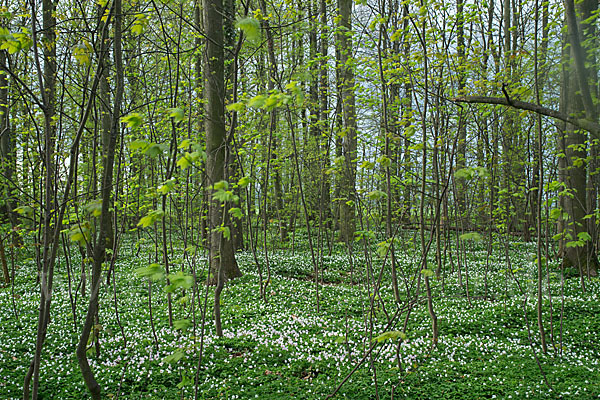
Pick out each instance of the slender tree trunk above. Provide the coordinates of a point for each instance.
(106, 227)
(349, 133)
(8, 154)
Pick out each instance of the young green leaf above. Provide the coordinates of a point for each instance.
(175, 357)
(391, 335)
(153, 272)
(182, 324)
(177, 114)
(251, 28)
(133, 120)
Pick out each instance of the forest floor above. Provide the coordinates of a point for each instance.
(286, 349)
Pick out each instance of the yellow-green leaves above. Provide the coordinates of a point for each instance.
(222, 193)
(140, 22)
(236, 212)
(251, 28)
(14, 42)
(82, 52)
(237, 107)
(148, 148)
(391, 335)
(244, 181)
(153, 272)
(94, 207)
(80, 232)
(179, 280)
(189, 158)
(427, 272)
(133, 120)
(182, 324)
(257, 101)
(472, 236)
(472, 172)
(295, 90)
(151, 218)
(384, 161)
(175, 357)
(271, 100)
(177, 114)
(376, 195)
(25, 211)
(166, 187)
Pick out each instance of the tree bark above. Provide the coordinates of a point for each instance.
(105, 231)
(222, 255)
(577, 87)
(349, 139)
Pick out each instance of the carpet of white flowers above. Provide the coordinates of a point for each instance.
(287, 349)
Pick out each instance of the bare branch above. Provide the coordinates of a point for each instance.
(582, 123)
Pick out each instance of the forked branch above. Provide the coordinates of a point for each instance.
(586, 124)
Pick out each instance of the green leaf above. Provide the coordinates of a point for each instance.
(151, 218)
(244, 181)
(236, 212)
(24, 210)
(464, 173)
(376, 195)
(367, 165)
(94, 207)
(251, 28)
(175, 357)
(384, 161)
(141, 20)
(226, 232)
(556, 213)
(137, 29)
(427, 272)
(575, 243)
(237, 107)
(182, 324)
(584, 236)
(382, 248)
(153, 272)
(474, 236)
(221, 185)
(133, 120)
(340, 340)
(138, 145)
(416, 147)
(80, 232)
(184, 161)
(257, 101)
(153, 150)
(391, 335)
(181, 280)
(166, 187)
(177, 114)
(185, 143)
(82, 51)
(295, 90)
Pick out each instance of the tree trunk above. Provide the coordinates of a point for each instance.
(105, 231)
(222, 255)
(579, 252)
(348, 134)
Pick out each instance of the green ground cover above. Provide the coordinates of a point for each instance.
(286, 349)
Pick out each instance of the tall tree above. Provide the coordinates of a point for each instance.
(579, 251)
(349, 132)
(112, 124)
(222, 256)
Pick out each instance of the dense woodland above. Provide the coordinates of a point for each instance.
(299, 199)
